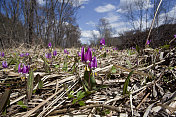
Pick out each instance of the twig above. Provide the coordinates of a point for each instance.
(113, 108)
(142, 101)
(40, 105)
(153, 21)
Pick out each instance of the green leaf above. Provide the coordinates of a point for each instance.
(65, 68)
(30, 84)
(126, 83)
(39, 81)
(129, 64)
(81, 103)
(165, 46)
(80, 95)
(70, 96)
(107, 111)
(74, 101)
(46, 65)
(4, 99)
(20, 103)
(137, 48)
(113, 70)
(40, 84)
(56, 66)
(104, 55)
(16, 66)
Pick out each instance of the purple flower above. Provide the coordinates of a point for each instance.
(106, 50)
(148, 42)
(2, 54)
(4, 64)
(93, 63)
(21, 55)
(23, 70)
(82, 54)
(78, 53)
(93, 50)
(48, 55)
(102, 41)
(89, 54)
(65, 51)
(113, 49)
(54, 53)
(49, 45)
(27, 54)
(175, 36)
(133, 48)
(100, 48)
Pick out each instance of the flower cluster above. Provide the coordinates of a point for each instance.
(66, 51)
(54, 53)
(148, 42)
(4, 64)
(87, 56)
(49, 45)
(22, 54)
(78, 53)
(102, 41)
(24, 69)
(93, 63)
(2, 54)
(48, 55)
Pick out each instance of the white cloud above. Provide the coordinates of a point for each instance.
(79, 2)
(106, 8)
(41, 2)
(125, 3)
(118, 24)
(120, 10)
(112, 18)
(91, 23)
(82, 7)
(86, 35)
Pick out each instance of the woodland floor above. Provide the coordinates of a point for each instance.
(151, 87)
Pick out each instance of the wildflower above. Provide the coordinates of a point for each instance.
(21, 55)
(133, 48)
(65, 51)
(48, 55)
(175, 36)
(102, 41)
(4, 64)
(49, 45)
(113, 49)
(82, 54)
(100, 48)
(54, 53)
(27, 54)
(148, 42)
(23, 70)
(78, 53)
(106, 50)
(93, 63)
(89, 54)
(2, 54)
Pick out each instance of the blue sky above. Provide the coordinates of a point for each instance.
(92, 10)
